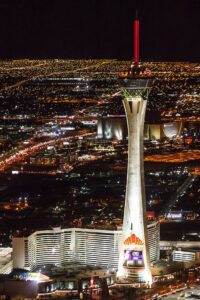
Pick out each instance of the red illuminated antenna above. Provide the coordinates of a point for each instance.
(136, 38)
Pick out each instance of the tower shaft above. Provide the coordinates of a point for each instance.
(134, 263)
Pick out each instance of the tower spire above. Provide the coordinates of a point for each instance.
(136, 38)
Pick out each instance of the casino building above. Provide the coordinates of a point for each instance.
(115, 127)
(91, 247)
(112, 128)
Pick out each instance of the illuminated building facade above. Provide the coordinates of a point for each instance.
(92, 247)
(165, 130)
(116, 128)
(112, 128)
(134, 260)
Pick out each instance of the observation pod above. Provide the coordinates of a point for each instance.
(134, 259)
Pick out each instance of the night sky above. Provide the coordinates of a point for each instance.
(170, 29)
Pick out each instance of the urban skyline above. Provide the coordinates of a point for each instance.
(99, 158)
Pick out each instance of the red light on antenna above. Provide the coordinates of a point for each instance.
(136, 41)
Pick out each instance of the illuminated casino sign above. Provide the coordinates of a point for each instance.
(133, 253)
(133, 259)
(133, 240)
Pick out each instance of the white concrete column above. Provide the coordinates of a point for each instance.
(135, 204)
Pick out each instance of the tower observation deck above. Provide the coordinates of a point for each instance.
(134, 259)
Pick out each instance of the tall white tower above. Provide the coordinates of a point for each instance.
(134, 261)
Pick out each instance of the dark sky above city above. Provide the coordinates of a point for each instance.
(170, 29)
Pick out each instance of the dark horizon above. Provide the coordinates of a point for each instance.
(99, 29)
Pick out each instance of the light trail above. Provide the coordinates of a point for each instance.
(24, 153)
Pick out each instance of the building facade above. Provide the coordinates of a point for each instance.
(112, 128)
(90, 247)
(183, 256)
(115, 127)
